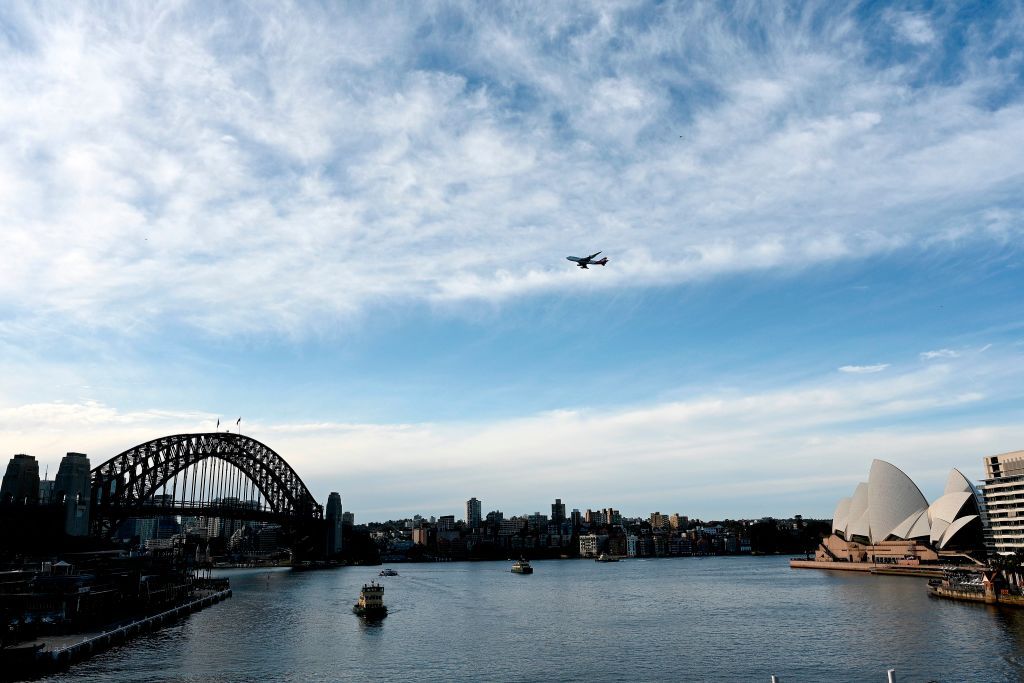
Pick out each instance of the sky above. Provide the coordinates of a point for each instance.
(347, 225)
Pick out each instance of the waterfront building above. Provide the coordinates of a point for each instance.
(473, 513)
(333, 516)
(588, 545)
(72, 489)
(21, 481)
(631, 545)
(681, 545)
(558, 511)
(1004, 501)
(889, 521)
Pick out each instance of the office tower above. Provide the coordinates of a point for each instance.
(473, 513)
(333, 516)
(558, 511)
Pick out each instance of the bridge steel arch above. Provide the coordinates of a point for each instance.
(127, 481)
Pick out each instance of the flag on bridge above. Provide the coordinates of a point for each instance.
(238, 422)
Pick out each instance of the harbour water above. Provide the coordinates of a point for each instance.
(690, 619)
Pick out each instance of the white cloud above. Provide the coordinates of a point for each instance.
(275, 171)
(914, 28)
(939, 353)
(863, 369)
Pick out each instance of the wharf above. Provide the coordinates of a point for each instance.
(56, 652)
(984, 597)
(869, 567)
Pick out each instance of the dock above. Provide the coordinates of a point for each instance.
(57, 652)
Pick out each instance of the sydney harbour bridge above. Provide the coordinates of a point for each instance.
(201, 475)
(210, 475)
(206, 478)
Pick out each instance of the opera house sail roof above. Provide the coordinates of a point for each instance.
(890, 506)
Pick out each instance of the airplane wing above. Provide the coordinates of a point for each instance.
(592, 256)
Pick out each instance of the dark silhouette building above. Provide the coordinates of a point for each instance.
(21, 481)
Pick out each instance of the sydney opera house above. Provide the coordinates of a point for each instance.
(888, 521)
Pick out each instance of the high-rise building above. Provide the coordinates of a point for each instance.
(446, 523)
(1004, 477)
(558, 511)
(72, 488)
(21, 482)
(333, 516)
(658, 520)
(577, 518)
(473, 513)
(348, 519)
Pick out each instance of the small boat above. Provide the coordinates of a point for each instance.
(605, 558)
(388, 572)
(521, 567)
(371, 602)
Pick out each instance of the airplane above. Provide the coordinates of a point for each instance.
(584, 261)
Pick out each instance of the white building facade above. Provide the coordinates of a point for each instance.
(1004, 501)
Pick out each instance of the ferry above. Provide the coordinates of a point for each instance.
(521, 567)
(371, 602)
(388, 572)
(605, 558)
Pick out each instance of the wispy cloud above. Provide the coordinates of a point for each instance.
(239, 171)
(863, 369)
(913, 27)
(939, 353)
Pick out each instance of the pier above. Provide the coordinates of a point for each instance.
(56, 652)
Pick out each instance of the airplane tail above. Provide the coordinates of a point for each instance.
(602, 261)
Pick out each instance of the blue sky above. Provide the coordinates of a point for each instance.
(348, 225)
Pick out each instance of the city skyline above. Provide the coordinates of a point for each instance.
(357, 246)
